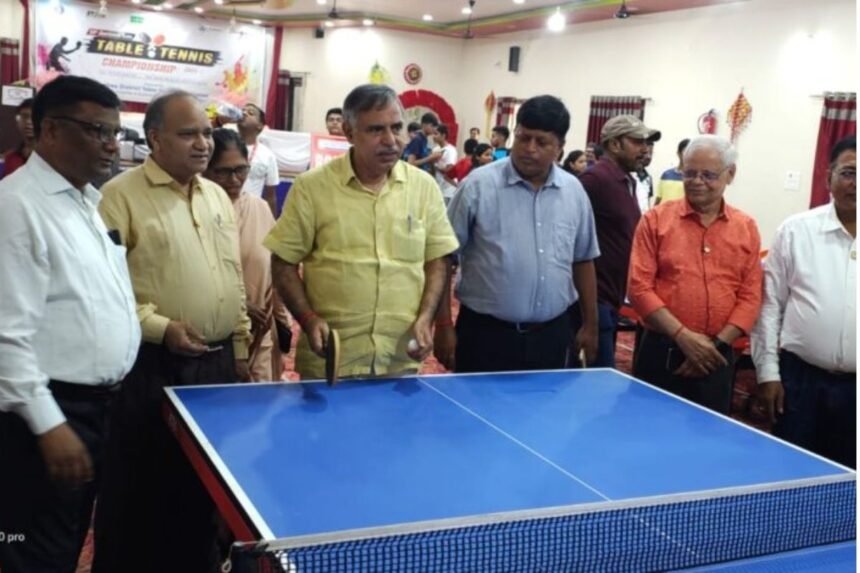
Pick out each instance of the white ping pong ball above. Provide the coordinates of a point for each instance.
(412, 346)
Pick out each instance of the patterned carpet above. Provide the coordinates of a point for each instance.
(741, 404)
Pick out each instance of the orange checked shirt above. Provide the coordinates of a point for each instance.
(705, 276)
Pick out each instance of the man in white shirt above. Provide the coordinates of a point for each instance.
(263, 178)
(644, 182)
(445, 162)
(68, 327)
(804, 344)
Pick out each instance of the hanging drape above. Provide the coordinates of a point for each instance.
(605, 107)
(838, 120)
(9, 61)
(277, 118)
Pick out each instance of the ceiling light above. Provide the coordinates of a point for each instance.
(466, 11)
(167, 5)
(198, 9)
(367, 22)
(328, 24)
(519, 1)
(556, 22)
(157, 8)
(256, 22)
(219, 2)
(321, 2)
(103, 9)
(427, 17)
(136, 1)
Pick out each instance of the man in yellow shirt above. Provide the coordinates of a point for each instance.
(371, 233)
(183, 257)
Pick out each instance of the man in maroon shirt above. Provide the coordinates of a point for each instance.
(24, 121)
(612, 191)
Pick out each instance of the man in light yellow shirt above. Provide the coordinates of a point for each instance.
(371, 233)
(183, 257)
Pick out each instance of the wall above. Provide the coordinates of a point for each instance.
(782, 52)
(11, 19)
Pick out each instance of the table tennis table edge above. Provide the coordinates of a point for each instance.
(242, 516)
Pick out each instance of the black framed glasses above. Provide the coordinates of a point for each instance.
(225, 172)
(707, 176)
(102, 132)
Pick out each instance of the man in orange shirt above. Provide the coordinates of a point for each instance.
(696, 279)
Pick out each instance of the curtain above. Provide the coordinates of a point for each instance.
(277, 108)
(9, 71)
(838, 120)
(25, 48)
(605, 107)
(506, 112)
(272, 95)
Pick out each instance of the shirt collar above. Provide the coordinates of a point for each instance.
(53, 183)
(614, 170)
(688, 211)
(158, 176)
(512, 176)
(342, 167)
(831, 221)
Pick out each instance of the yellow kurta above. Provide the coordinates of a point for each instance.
(363, 256)
(183, 254)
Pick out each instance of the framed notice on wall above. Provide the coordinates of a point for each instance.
(14, 95)
(324, 148)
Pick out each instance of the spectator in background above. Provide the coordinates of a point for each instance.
(612, 191)
(270, 323)
(593, 153)
(445, 163)
(334, 121)
(464, 165)
(522, 212)
(263, 178)
(696, 281)
(68, 328)
(575, 162)
(24, 123)
(671, 184)
(499, 140)
(643, 180)
(474, 133)
(418, 150)
(412, 131)
(805, 342)
(482, 154)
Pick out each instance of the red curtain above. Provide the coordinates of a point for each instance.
(272, 95)
(506, 107)
(277, 117)
(838, 120)
(25, 49)
(604, 107)
(9, 71)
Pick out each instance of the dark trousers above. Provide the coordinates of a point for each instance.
(44, 523)
(607, 334)
(153, 513)
(820, 410)
(658, 356)
(486, 344)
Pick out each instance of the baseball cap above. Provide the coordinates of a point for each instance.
(628, 125)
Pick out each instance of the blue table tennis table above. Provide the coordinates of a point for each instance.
(570, 470)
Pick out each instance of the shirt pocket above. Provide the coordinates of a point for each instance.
(563, 239)
(408, 240)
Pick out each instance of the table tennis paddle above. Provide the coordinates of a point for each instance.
(332, 357)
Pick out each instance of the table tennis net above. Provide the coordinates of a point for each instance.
(654, 534)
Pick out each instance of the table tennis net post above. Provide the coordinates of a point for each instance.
(655, 534)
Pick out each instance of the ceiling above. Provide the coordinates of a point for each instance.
(487, 18)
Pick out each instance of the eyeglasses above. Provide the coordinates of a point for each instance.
(239, 172)
(104, 133)
(847, 175)
(707, 176)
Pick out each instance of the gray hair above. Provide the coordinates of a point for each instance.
(727, 151)
(154, 117)
(365, 98)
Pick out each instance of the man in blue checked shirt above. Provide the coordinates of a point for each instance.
(527, 253)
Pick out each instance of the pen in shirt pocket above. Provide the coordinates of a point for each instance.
(409, 222)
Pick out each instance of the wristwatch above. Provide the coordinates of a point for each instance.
(721, 345)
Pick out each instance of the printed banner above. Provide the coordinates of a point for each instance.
(324, 148)
(140, 54)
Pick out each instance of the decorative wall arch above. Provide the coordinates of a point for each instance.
(435, 103)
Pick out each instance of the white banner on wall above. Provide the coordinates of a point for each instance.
(140, 54)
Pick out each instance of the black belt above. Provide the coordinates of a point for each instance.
(71, 391)
(519, 327)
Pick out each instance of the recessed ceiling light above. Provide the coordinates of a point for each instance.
(157, 8)
(328, 23)
(167, 5)
(198, 9)
(321, 2)
(367, 22)
(466, 10)
(256, 22)
(427, 17)
(136, 1)
(219, 2)
(519, 1)
(556, 22)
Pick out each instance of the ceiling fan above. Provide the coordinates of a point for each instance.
(333, 13)
(468, 35)
(623, 11)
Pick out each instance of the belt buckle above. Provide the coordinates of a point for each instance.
(520, 328)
